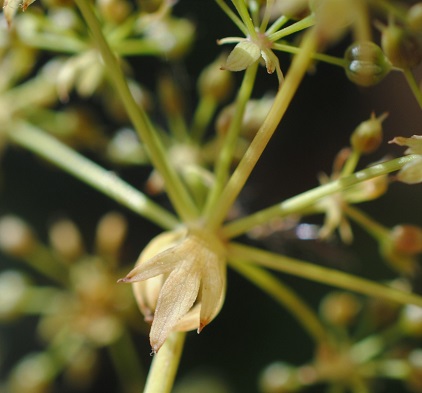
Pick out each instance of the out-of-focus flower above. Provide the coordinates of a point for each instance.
(10, 7)
(411, 173)
(193, 268)
(334, 205)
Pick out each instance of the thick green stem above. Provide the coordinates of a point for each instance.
(285, 296)
(164, 365)
(320, 274)
(281, 102)
(302, 201)
(177, 192)
(97, 177)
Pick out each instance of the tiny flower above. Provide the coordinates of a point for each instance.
(248, 51)
(334, 205)
(194, 284)
(411, 172)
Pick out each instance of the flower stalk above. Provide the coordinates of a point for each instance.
(281, 102)
(177, 192)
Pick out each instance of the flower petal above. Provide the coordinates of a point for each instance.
(177, 296)
(242, 56)
(213, 290)
(411, 173)
(414, 143)
(158, 257)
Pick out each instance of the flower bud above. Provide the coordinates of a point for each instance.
(171, 36)
(214, 82)
(340, 308)
(333, 17)
(244, 54)
(407, 239)
(66, 240)
(401, 247)
(414, 18)
(114, 11)
(16, 238)
(194, 265)
(279, 377)
(411, 320)
(170, 96)
(33, 374)
(366, 64)
(13, 292)
(367, 137)
(111, 232)
(414, 381)
(402, 47)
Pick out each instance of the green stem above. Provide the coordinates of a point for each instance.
(277, 24)
(202, 117)
(294, 28)
(302, 201)
(341, 62)
(225, 158)
(281, 102)
(97, 177)
(351, 163)
(378, 231)
(177, 192)
(164, 365)
(235, 19)
(320, 274)
(56, 43)
(285, 296)
(241, 8)
(414, 86)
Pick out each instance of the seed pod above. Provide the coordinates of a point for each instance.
(407, 239)
(366, 64)
(367, 137)
(402, 47)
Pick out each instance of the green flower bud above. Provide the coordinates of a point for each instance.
(215, 82)
(366, 63)
(16, 238)
(414, 18)
(13, 293)
(340, 308)
(367, 137)
(33, 374)
(402, 47)
(279, 377)
(411, 320)
(114, 11)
